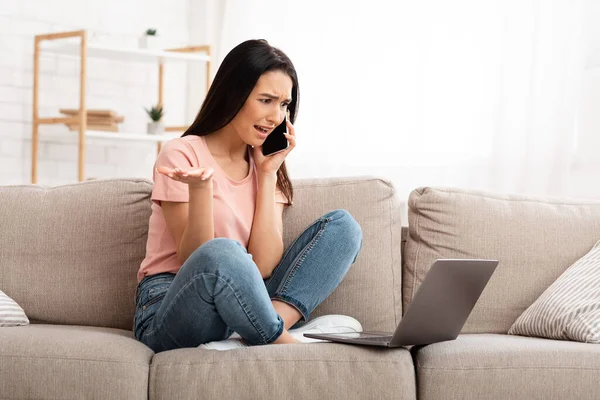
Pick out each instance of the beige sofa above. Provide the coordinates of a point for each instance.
(69, 257)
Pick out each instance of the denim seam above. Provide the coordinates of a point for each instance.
(154, 300)
(294, 303)
(150, 332)
(242, 303)
(302, 257)
(277, 334)
(287, 251)
(177, 344)
(149, 281)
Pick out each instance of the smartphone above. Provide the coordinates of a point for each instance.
(276, 141)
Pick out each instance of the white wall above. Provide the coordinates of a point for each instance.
(126, 88)
(406, 174)
(205, 18)
(117, 85)
(586, 176)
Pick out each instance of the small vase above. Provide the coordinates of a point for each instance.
(156, 128)
(150, 42)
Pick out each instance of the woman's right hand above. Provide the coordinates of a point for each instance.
(196, 177)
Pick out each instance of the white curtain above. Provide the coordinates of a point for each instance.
(470, 93)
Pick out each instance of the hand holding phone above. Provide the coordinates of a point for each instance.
(276, 141)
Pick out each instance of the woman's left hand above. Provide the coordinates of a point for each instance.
(270, 164)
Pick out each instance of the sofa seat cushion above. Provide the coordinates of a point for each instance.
(496, 366)
(74, 362)
(284, 371)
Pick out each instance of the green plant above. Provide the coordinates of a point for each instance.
(150, 32)
(155, 113)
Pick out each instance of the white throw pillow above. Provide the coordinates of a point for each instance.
(570, 308)
(11, 314)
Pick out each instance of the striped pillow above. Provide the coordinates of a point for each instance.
(570, 308)
(11, 314)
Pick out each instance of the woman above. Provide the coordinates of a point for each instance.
(215, 262)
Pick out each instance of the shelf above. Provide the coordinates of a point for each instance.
(73, 136)
(140, 137)
(123, 54)
(71, 44)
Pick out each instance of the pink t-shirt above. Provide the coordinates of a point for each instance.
(233, 202)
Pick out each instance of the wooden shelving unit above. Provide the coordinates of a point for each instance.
(85, 51)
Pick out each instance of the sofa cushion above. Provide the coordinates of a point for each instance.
(492, 366)
(70, 253)
(289, 371)
(534, 238)
(72, 362)
(570, 308)
(370, 292)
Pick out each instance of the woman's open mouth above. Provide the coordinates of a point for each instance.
(261, 132)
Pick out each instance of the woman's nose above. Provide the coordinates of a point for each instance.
(276, 117)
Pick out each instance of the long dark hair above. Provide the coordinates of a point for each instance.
(233, 82)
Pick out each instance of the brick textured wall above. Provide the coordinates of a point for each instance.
(126, 87)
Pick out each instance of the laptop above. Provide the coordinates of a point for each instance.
(437, 312)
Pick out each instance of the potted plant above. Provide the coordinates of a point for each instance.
(155, 127)
(150, 40)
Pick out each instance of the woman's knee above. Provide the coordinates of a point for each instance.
(346, 225)
(347, 230)
(221, 244)
(218, 254)
(218, 251)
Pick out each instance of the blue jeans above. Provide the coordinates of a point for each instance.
(219, 289)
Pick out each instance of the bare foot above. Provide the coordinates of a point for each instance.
(285, 338)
